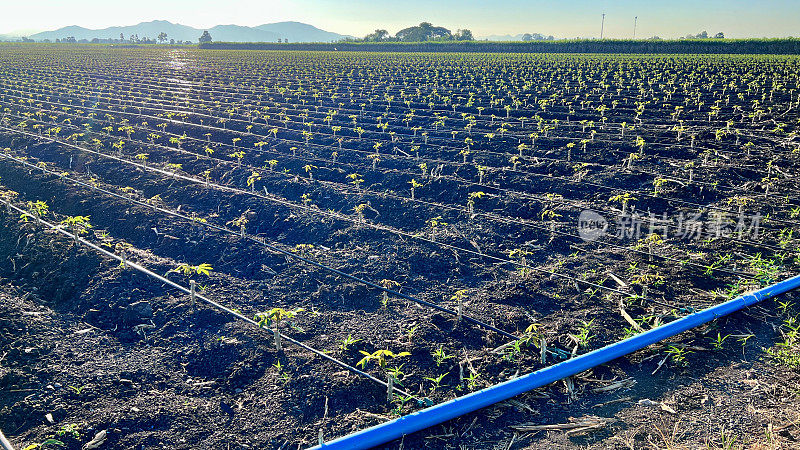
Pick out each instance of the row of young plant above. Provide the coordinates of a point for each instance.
(517, 252)
(656, 279)
(705, 157)
(556, 199)
(80, 225)
(728, 126)
(516, 258)
(658, 182)
(711, 268)
(533, 340)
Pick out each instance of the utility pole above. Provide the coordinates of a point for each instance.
(635, 19)
(602, 25)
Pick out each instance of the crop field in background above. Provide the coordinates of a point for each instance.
(439, 222)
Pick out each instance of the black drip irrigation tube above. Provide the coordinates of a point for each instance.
(277, 249)
(195, 296)
(378, 227)
(4, 443)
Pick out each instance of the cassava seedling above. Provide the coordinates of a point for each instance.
(310, 170)
(464, 153)
(188, 270)
(37, 210)
(238, 155)
(570, 146)
(79, 225)
(252, 179)
(303, 249)
(380, 357)
(355, 179)
(275, 317)
(359, 210)
(387, 284)
(459, 297)
(414, 185)
(471, 201)
(520, 255)
(481, 173)
(347, 342)
(241, 221)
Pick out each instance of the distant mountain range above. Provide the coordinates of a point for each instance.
(293, 31)
(508, 37)
(502, 37)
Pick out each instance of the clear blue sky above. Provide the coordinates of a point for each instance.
(565, 18)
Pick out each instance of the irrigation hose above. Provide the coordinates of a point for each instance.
(434, 415)
(4, 443)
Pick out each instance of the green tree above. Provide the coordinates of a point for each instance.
(463, 35)
(423, 32)
(377, 36)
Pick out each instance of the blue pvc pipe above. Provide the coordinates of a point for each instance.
(394, 429)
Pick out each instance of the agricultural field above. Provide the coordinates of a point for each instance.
(266, 249)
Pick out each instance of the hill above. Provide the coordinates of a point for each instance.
(294, 31)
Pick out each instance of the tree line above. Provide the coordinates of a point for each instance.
(162, 38)
(788, 46)
(424, 32)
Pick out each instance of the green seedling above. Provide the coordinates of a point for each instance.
(71, 430)
(784, 307)
(380, 357)
(387, 284)
(584, 335)
(347, 342)
(410, 332)
(37, 209)
(77, 390)
(459, 297)
(440, 356)
(189, 270)
(437, 382)
(275, 317)
(286, 377)
(47, 443)
(79, 225)
(472, 380)
(718, 342)
(678, 355)
(400, 401)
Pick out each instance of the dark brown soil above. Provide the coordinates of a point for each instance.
(96, 347)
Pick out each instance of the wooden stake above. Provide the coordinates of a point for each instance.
(277, 331)
(543, 348)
